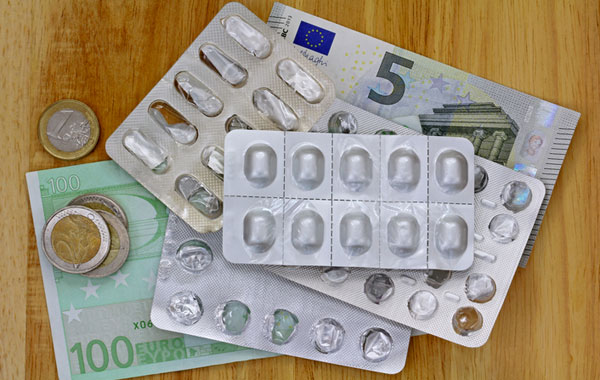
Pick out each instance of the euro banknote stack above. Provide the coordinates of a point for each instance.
(101, 327)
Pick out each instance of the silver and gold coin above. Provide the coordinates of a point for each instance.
(76, 239)
(68, 129)
(101, 202)
(119, 247)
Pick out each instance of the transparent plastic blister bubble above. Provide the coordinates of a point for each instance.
(237, 74)
(353, 200)
(258, 309)
(459, 306)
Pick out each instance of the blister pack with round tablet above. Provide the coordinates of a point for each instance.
(232, 317)
(342, 122)
(516, 196)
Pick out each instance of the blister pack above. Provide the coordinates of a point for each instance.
(399, 202)
(459, 306)
(199, 293)
(237, 74)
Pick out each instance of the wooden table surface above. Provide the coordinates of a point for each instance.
(110, 54)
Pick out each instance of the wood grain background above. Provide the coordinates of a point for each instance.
(110, 54)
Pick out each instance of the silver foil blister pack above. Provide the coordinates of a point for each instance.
(459, 306)
(199, 293)
(395, 202)
(237, 74)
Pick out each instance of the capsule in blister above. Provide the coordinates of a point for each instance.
(275, 110)
(376, 344)
(236, 122)
(249, 38)
(403, 234)
(260, 165)
(307, 232)
(308, 167)
(356, 169)
(450, 234)
(226, 67)
(404, 169)
(212, 158)
(280, 326)
(173, 122)
(301, 81)
(146, 150)
(199, 196)
(198, 94)
(451, 171)
(356, 233)
(259, 230)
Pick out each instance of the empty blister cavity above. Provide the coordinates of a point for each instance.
(198, 94)
(199, 196)
(467, 320)
(451, 236)
(260, 165)
(232, 317)
(516, 196)
(437, 277)
(379, 287)
(481, 178)
(335, 275)
(301, 81)
(356, 169)
(194, 255)
(327, 335)
(356, 233)
(376, 344)
(274, 109)
(403, 234)
(480, 287)
(165, 267)
(173, 122)
(404, 170)
(146, 150)
(504, 228)
(247, 36)
(185, 307)
(259, 230)
(422, 305)
(280, 327)
(342, 122)
(235, 122)
(228, 69)
(213, 158)
(307, 231)
(308, 167)
(451, 171)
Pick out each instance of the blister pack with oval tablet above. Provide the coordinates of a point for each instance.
(199, 293)
(237, 74)
(393, 202)
(459, 306)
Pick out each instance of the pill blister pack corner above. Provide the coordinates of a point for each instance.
(237, 74)
(398, 202)
(199, 293)
(459, 306)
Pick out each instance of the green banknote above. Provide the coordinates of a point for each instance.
(506, 126)
(101, 328)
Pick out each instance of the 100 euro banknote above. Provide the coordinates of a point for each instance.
(101, 328)
(506, 126)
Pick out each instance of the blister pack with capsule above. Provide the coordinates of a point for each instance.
(199, 293)
(395, 202)
(237, 74)
(459, 306)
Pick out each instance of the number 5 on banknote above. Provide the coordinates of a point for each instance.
(385, 72)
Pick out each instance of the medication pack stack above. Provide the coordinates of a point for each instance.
(199, 293)
(237, 74)
(393, 202)
(460, 306)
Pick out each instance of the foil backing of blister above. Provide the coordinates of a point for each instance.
(348, 200)
(185, 159)
(263, 292)
(497, 260)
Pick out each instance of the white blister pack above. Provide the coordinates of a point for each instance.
(395, 202)
(199, 293)
(237, 74)
(459, 306)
